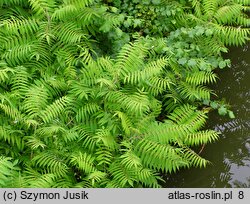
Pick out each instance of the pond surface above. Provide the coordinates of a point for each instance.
(230, 156)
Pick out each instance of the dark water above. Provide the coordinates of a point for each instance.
(230, 156)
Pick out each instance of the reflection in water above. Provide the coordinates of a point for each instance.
(239, 184)
(233, 126)
(230, 156)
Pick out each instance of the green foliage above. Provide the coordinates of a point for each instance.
(96, 94)
(8, 171)
(227, 19)
(221, 106)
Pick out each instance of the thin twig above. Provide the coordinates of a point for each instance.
(202, 148)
